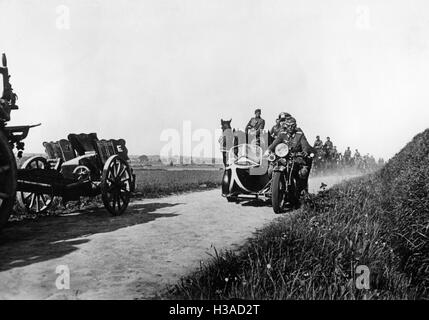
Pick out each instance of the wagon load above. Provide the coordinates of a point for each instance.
(81, 165)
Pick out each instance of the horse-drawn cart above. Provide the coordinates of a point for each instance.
(81, 166)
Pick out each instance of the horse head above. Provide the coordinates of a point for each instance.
(225, 124)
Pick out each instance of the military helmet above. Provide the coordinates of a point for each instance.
(284, 115)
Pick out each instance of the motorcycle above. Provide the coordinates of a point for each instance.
(319, 164)
(284, 190)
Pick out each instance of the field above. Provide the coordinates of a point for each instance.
(156, 183)
(379, 222)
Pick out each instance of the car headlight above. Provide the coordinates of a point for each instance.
(281, 150)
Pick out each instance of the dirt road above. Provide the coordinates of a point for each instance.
(132, 256)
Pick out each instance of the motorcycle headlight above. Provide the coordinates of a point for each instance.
(271, 157)
(282, 150)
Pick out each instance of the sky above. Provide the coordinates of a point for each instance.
(355, 71)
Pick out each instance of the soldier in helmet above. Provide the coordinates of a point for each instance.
(347, 156)
(297, 142)
(318, 144)
(328, 144)
(357, 155)
(283, 116)
(336, 156)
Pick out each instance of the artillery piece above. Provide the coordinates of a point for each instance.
(83, 165)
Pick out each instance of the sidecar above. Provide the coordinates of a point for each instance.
(246, 174)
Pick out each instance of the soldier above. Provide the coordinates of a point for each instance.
(357, 154)
(347, 154)
(357, 159)
(255, 126)
(297, 142)
(334, 152)
(336, 156)
(275, 129)
(327, 148)
(328, 144)
(283, 116)
(340, 159)
(256, 123)
(318, 144)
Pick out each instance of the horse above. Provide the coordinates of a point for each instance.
(237, 137)
(226, 125)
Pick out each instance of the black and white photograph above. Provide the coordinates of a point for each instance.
(230, 151)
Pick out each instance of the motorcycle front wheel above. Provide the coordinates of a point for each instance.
(278, 192)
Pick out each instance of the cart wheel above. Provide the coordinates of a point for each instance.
(116, 185)
(7, 180)
(35, 202)
(82, 173)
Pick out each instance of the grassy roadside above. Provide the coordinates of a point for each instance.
(380, 221)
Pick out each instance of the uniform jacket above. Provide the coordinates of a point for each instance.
(318, 144)
(256, 123)
(329, 145)
(297, 142)
(275, 130)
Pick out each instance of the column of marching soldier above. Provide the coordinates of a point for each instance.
(327, 157)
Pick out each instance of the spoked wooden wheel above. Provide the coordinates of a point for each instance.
(35, 202)
(7, 180)
(82, 173)
(116, 185)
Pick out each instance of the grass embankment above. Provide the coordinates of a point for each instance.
(380, 221)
